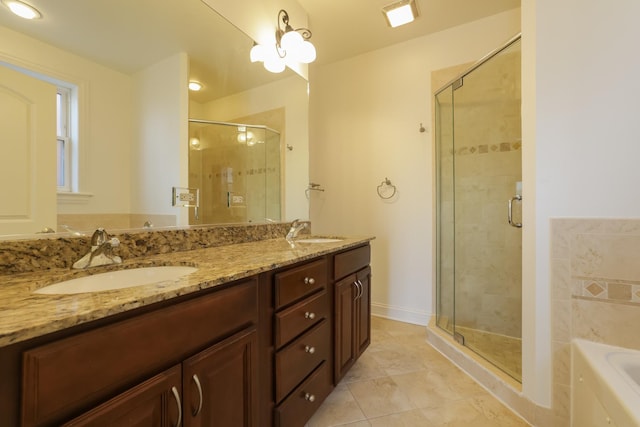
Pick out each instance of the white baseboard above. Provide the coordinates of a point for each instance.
(401, 314)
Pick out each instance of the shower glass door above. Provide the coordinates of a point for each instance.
(480, 173)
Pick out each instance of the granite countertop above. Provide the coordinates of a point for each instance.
(25, 315)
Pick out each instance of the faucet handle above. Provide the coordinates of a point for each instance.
(99, 237)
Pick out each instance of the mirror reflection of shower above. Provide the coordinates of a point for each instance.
(237, 168)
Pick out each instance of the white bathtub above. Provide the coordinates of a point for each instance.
(605, 385)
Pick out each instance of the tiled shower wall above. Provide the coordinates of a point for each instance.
(487, 164)
(595, 292)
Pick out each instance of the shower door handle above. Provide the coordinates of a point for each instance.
(518, 198)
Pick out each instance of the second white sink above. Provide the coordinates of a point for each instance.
(119, 279)
(319, 240)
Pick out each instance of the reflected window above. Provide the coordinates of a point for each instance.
(63, 132)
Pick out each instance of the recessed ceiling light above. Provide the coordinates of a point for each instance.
(21, 9)
(195, 86)
(400, 13)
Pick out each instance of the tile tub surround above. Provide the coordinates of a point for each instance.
(25, 315)
(595, 279)
(61, 251)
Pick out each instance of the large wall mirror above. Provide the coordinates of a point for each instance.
(133, 127)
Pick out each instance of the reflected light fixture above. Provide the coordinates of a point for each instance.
(22, 9)
(400, 13)
(195, 86)
(292, 45)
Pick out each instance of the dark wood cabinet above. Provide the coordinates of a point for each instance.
(215, 387)
(65, 378)
(352, 307)
(258, 352)
(155, 402)
(303, 350)
(220, 384)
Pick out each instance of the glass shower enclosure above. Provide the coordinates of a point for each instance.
(478, 208)
(236, 168)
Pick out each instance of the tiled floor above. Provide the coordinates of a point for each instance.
(401, 380)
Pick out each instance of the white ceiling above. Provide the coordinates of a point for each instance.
(152, 30)
(345, 28)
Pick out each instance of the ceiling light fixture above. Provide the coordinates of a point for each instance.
(400, 13)
(21, 9)
(195, 86)
(292, 45)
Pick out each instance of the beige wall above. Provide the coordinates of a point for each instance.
(365, 116)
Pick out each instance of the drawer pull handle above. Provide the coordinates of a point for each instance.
(309, 397)
(309, 315)
(309, 281)
(309, 349)
(176, 396)
(199, 387)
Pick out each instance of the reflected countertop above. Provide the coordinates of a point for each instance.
(25, 315)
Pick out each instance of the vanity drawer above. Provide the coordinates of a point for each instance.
(297, 360)
(296, 283)
(81, 371)
(351, 261)
(306, 399)
(296, 319)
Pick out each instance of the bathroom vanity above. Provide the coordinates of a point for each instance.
(258, 336)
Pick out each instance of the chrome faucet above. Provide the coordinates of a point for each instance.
(101, 252)
(296, 227)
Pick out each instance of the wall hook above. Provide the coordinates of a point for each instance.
(289, 147)
(422, 128)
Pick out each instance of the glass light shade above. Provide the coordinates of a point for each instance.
(22, 10)
(274, 63)
(257, 53)
(291, 42)
(195, 86)
(307, 52)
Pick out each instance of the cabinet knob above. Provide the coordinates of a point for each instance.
(309, 397)
(309, 315)
(309, 281)
(309, 349)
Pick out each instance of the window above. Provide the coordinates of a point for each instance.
(64, 142)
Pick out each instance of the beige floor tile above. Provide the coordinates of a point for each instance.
(412, 418)
(339, 408)
(380, 396)
(401, 380)
(365, 368)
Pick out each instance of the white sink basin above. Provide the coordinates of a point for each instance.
(119, 279)
(319, 240)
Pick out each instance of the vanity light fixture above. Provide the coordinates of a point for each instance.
(292, 45)
(195, 86)
(400, 13)
(22, 9)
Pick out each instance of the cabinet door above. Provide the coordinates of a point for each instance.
(155, 402)
(363, 311)
(220, 383)
(345, 319)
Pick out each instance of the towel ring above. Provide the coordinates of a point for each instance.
(383, 184)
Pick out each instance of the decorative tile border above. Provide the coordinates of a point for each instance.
(487, 148)
(602, 289)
